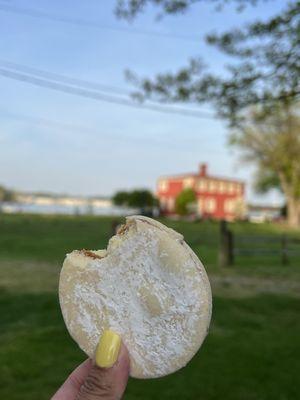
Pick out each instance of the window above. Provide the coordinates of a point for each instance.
(210, 205)
(229, 206)
(231, 188)
(213, 186)
(202, 185)
(171, 204)
(188, 183)
(163, 185)
(222, 187)
(201, 205)
(163, 203)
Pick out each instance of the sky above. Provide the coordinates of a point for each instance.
(58, 142)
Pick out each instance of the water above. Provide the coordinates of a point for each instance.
(64, 209)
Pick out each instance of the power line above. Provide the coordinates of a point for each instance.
(97, 95)
(53, 76)
(30, 12)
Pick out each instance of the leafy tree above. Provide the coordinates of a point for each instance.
(9, 195)
(272, 141)
(136, 199)
(184, 201)
(2, 190)
(265, 69)
(6, 195)
(264, 74)
(266, 180)
(141, 199)
(121, 198)
(130, 8)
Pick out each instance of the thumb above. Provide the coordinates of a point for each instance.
(107, 379)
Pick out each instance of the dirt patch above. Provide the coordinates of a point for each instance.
(244, 286)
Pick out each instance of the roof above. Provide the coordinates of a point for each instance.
(193, 175)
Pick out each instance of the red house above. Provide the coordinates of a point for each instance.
(217, 197)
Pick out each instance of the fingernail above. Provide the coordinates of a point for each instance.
(108, 349)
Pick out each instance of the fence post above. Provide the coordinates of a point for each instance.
(226, 253)
(230, 238)
(284, 253)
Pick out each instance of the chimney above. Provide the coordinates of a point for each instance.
(203, 169)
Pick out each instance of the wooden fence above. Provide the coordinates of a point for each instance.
(233, 245)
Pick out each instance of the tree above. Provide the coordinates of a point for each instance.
(6, 195)
(141, 199)
(272, 141)
(121, 198)
(265, 68)
(184, 201)
(2, 191)
(136, 199)
(264, 73)
(130, 8)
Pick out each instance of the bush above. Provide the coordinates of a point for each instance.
(184, 201)
(136, 199)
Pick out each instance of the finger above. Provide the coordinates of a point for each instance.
(72, 385)
(107, 379)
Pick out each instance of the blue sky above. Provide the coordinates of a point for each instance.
(116, 147)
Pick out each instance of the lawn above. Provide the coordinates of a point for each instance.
(251, 352)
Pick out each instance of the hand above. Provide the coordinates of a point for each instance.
(104, 378)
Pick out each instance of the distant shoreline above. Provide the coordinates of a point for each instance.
(65, 208)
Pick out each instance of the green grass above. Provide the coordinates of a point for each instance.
(251, 352)
(49, 238)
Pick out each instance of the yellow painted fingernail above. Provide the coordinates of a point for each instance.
(108, 349)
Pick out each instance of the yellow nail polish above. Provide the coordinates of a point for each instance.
(108, 349)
